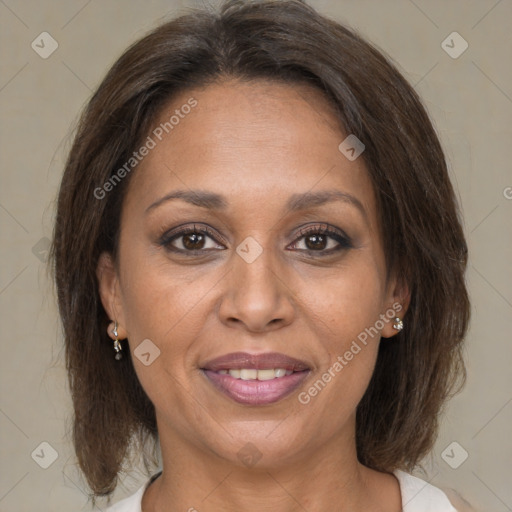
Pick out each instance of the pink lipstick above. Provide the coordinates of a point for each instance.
(256, 379)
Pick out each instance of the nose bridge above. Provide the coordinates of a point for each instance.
(254, 271)
(256, 294)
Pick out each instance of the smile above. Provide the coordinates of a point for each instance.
(256, 379)
(251, 374)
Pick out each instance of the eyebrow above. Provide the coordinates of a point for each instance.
(296, 202)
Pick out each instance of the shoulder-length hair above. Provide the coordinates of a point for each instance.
(285, 41)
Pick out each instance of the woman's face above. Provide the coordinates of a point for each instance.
(225, 265)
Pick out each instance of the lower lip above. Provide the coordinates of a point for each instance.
(256, 392)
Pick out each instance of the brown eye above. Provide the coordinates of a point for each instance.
(316, 242)
(193, 241)
(190, 239)
(323, 240)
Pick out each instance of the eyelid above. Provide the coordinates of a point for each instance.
(322, 227)
(325, 229)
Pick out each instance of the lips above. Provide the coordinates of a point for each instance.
(266, 361)
(256, 379)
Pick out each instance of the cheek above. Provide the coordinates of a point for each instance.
(170, 313)
(158, 307)
(154, 297)
(345, 309)
(167, 307)
(345, 303)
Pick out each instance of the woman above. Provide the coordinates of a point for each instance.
(259, 265)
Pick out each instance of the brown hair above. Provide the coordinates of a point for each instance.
(287, 41)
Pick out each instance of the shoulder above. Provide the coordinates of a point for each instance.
(420, 496)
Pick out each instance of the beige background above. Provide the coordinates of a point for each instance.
(470, 100)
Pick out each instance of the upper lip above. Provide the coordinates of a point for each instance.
(265, 361)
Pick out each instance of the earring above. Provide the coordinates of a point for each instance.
(399, 325)
(117, 344)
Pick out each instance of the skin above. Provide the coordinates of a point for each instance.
(255, 143)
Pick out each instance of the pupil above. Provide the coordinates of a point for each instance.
(192, 241)
(317, 242)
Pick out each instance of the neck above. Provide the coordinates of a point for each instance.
(194, 479)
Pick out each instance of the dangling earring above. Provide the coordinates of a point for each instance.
(117, 344)
(398, 325)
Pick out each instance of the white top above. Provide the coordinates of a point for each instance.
(417, 496)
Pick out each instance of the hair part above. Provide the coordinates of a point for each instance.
(285, 41)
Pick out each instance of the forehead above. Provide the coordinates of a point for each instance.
(249, 141)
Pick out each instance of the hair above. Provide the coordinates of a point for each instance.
(288, 42)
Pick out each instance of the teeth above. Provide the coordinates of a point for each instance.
(248, 374)
(266, 374)
(252, 374)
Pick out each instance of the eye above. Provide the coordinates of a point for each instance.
(322, 239)
(190, 239)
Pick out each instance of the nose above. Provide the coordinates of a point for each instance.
(257, 297)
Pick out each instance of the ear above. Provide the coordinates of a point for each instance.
(110, 292)
(397, 304)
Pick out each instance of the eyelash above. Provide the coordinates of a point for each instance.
(344, 242)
